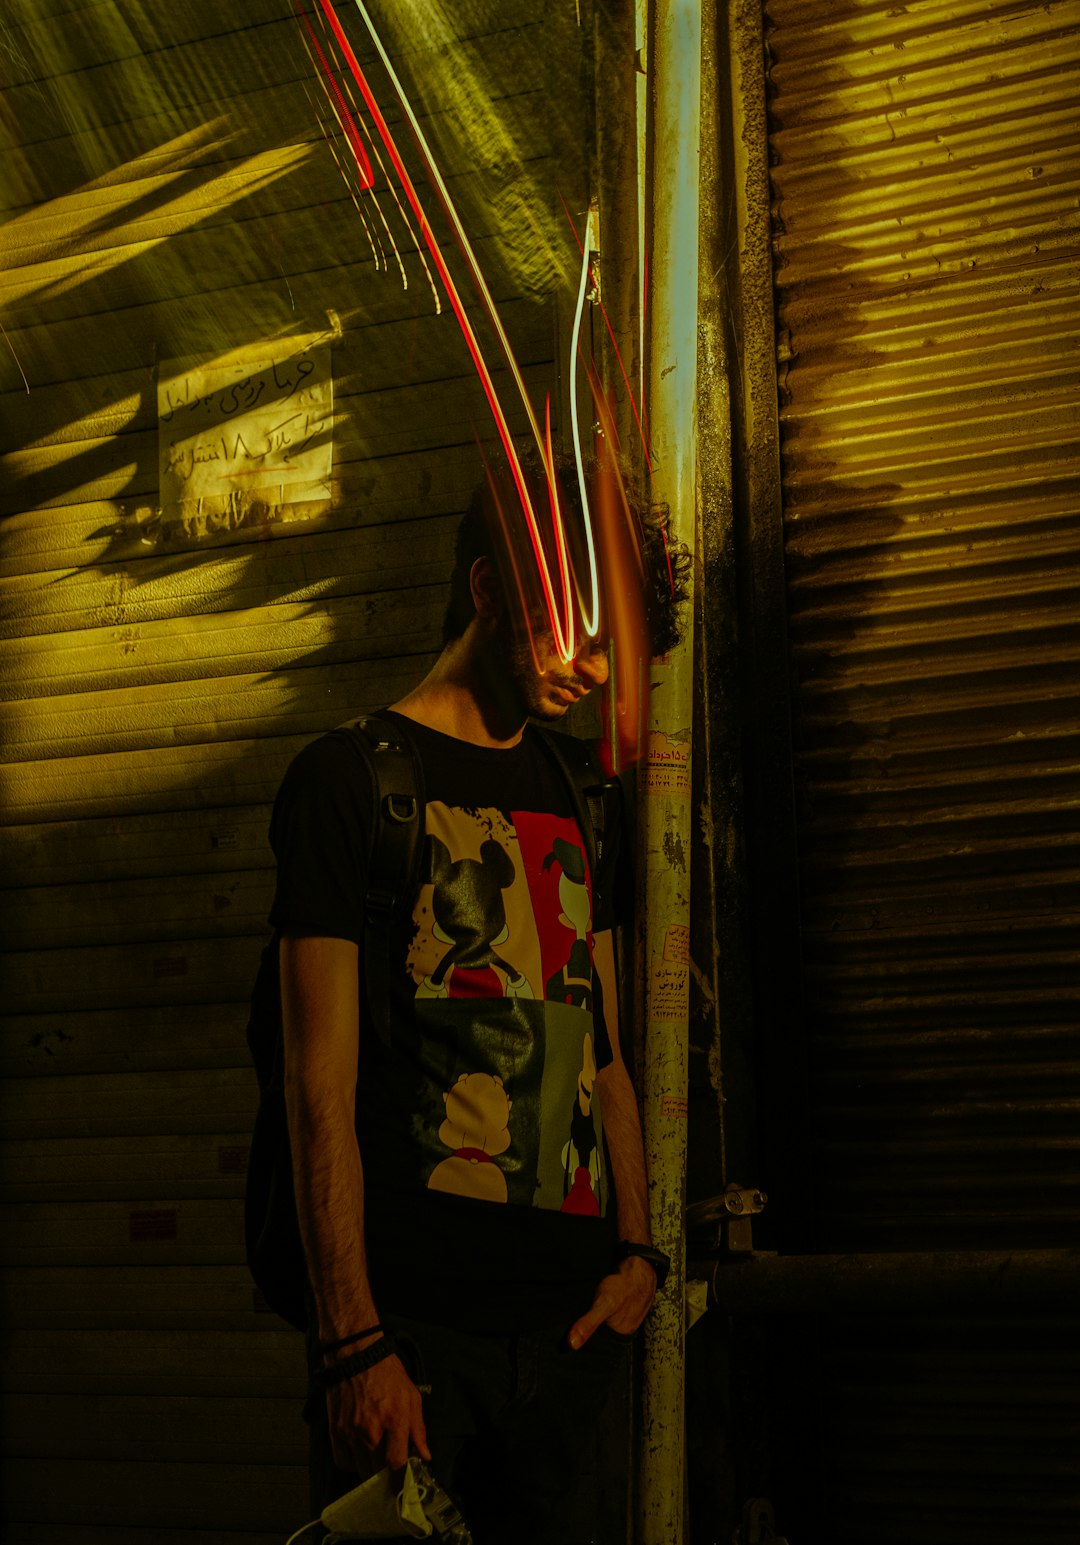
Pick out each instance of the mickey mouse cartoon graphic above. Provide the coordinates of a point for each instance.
(580, 1159)
(477, 1117)
(470, 916)
(573, 983)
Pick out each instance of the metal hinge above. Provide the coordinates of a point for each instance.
(722, 1225)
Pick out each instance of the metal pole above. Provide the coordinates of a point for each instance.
(674, 71)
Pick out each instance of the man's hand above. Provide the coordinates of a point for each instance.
(622, 1301)
(376, 1410)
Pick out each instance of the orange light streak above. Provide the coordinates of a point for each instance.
(352, 136)
(610, 437)
(557, 520)
(510, 548)
(400, 209)
(607, 424)
(629, 390)
(574, 605)
(340, 106)
(625, 607)
(562, 627)
(345, 178)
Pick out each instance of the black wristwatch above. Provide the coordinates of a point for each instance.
(659, 1262)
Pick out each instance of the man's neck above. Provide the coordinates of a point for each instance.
(456, 698)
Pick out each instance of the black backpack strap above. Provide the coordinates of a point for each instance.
(397, 831)
(596, 799)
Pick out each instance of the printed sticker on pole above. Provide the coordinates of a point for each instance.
(667, 766)
(670, 997)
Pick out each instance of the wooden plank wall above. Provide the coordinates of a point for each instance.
(167, 192)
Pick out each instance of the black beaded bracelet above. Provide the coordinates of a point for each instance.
(347, 1341)
(357, 1362)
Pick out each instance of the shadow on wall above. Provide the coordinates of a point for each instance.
(212, 245)
(170, 197)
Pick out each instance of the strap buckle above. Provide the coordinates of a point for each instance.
(400, 808)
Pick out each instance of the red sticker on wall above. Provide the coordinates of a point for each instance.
(152, 1227)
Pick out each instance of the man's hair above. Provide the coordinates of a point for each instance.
(667, 564)
(475, 539)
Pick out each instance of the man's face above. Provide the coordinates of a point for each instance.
(547, 693)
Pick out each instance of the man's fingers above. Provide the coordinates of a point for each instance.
(397, 1448)
(582, 1329)
(419, 1436)
(378, 1412)
(621, 1300)
(407, 1432)
(580, 1332)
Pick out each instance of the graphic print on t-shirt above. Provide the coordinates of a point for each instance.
(554, 861)
(506, 1111)
(472, 939)
(475, 1129)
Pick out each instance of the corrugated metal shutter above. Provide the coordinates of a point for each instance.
(168, 193)
(927, 185)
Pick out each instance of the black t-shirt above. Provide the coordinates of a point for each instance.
(487, 1196)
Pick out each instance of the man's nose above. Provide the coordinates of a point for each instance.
(592, 665)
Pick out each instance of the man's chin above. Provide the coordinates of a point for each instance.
(547, 711)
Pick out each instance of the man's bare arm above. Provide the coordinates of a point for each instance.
(623, 1298)
(320, 1003)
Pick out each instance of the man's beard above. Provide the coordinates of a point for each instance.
(531, 690)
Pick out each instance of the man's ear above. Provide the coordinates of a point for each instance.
(487, 591)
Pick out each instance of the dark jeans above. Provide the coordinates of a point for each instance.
(508, 1419)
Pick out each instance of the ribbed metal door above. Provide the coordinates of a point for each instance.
(926, 177)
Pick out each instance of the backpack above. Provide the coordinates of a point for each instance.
(275, 1254)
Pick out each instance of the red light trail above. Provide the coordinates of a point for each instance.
(567, 604)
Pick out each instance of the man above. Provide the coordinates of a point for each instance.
(471, 1197)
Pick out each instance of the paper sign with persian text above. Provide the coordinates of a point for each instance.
(667, 766)
(677, 944)
(669, 976)
(244, 431)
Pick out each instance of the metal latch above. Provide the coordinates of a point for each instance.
(722, 1225)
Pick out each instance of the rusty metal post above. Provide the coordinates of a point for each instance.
(674, 77)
